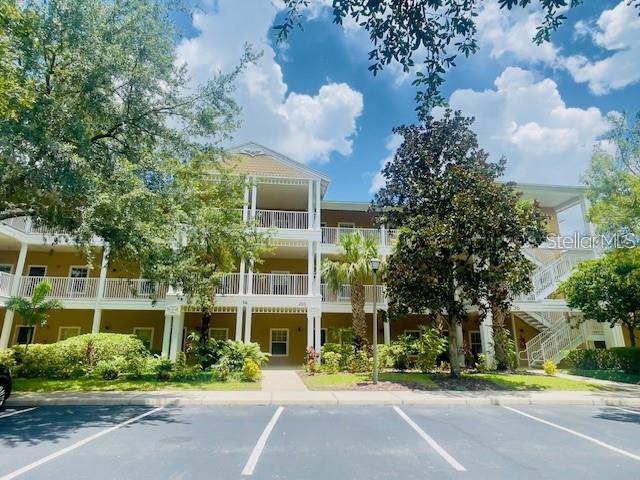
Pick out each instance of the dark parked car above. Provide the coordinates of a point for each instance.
(5, 384)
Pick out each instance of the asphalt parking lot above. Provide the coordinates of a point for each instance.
(303, 442)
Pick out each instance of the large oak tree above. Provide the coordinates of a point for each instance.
(461, 230)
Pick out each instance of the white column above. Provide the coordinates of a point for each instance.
(387, 330)
(318, 204)
(239, 314)
(383, 237)
(318, 268)
(318, 329)
(310, 267)
(613, 336)
(245, 204)
(460, 337)
(247, 325)
(585, 205)
(166, 335)
(250, 279)
(310, 326)
(102, 282)
(310, 204)
(8, 314)
(241, 290)
(254, 199)
(176, 335)
(486, 337)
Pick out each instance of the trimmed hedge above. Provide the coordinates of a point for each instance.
(626, 359)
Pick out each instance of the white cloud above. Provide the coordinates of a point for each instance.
(618, 31)
(512, 31)
(393, 143)
(308, 127)
(528, 122)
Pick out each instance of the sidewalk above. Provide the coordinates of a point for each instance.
(405, 397)
(282, 381)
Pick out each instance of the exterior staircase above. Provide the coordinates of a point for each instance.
(558, 334)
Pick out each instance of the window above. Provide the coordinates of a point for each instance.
(219, 333)
(78, 279)
(24, 334)
(145, 334)
(475, 342)
(37, 270)
(279, 342)
(68, 332)
(346, 225)
(323, 336)
(412, 333)
(6, 267)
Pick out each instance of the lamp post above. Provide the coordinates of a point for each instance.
(375, 266)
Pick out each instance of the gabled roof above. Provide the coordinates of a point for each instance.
(253, 149)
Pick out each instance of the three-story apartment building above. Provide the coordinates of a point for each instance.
(282, 303)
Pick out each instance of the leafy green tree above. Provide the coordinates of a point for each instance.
(108, 123)
(607, 289)
(613, 180)
(34, 311)
(353, 268)
(461, 230)
(433, 32)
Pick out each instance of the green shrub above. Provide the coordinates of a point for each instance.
(594, 359)
(8, 358)
(402, 352)
(345, 350)
(362, 362)
(481, 365)
(236, 352)
(109, 369)
(549, 367)
(182, 371)
(428, 347)
(628, 358)
(505, 349)
(209, 353)
(331, 362)
(250, 371)
(163, 368)
(221, 370)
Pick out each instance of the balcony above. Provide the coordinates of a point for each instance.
(6, 279)
(264, 284)
(133, 289)
(61, 287)
(343, 295)
(282, 219)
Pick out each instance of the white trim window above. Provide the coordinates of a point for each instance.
(279, 342)
(412, 333)
(218, 333)
(346, 225)
(67, 332)
(475, 341)
(24, 334)
(78, 275)
(145, 334)
(6, 267)
(37, 271)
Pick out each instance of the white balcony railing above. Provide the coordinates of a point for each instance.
(133, 288)
(229, 284)
(343, 295)
(282, 219)
(331, 235)
(279, 284)
(62, 287)
(6, 279)
(26, 225)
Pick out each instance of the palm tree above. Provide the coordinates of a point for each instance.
(35, 311)
(354, 269)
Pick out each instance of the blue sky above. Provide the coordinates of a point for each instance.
(314, 99)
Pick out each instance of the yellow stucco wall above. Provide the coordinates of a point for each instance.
(332, 217)
(627, 337)
(57, 319)
(59, 263)
(124, 321)
(291, 265)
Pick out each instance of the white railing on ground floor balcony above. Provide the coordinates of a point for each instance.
(133, 288)
(61, 287)
(279, 284)
(343, 294)
(6, 279)
(282, 219)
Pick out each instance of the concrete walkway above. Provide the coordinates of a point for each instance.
(282, 381)
(403, 397)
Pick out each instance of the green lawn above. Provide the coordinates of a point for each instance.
(468, 382)
(123, 384)
(608, 375)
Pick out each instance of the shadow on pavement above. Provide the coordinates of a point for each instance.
(617, 415)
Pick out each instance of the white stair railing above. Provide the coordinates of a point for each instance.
(133, 288)
(6, 279)
(282, 219)
(551, 344)
(61, 287)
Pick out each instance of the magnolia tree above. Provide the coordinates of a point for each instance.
(461, 230)
(607, 289)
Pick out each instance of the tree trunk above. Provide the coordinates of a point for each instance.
(454, 358)
(204, 325)
(632, 334)
(357, 310)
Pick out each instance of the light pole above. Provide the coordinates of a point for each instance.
(375, 265)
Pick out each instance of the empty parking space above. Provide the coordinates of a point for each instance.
(315, 442)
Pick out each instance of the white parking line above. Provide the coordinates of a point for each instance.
(626, 410)
(262, 441)
(82, 442)
(431, 442)
(5, 415)
(577, 434)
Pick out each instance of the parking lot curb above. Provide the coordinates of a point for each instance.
(344, 397)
